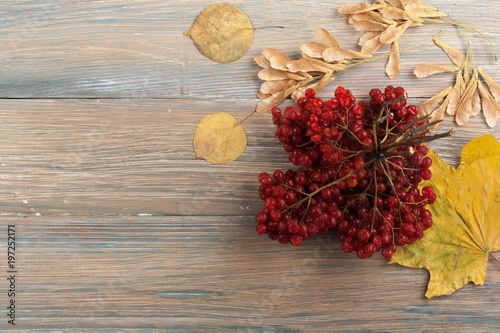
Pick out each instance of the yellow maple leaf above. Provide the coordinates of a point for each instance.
(466, 217)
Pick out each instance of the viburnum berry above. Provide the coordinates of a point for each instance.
(360, 167)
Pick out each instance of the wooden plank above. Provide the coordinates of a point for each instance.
(130, 157)
(136, 49)
(215, 273)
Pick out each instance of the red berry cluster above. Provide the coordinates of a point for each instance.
(362, 163)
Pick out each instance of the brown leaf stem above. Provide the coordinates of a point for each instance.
(491, 255)
(248, 116)
(270, 27)
(444, 21)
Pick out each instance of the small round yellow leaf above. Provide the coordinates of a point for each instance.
(219, 138)
(222, 32)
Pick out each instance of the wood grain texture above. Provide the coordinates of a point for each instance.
(136, 49)
(215, 273)
(120, 228)
(130, 157)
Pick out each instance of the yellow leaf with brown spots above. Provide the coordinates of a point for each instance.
(466, 228)
(219, 138)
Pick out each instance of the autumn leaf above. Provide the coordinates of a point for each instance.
(219, 138)
(222, 32)
(466, 228)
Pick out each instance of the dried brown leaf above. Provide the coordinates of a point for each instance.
(422, 11)
(262, 61)
(313, 49)
(394, 13)
(313, 65)
(430, 69)
(350, 8)
(455, 95)
(438, 114)
(271, 74)
(338, 53)
(492, 85)
(271, 87)
(394, 64)
(222, 32)
(370, 26)
(276, 58)
(371, 45)
(429, 105)
(325, 37)
(491, 109)
(456, 56)
(392, 33)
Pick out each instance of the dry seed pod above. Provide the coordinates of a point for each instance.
(466, 77)
(313, 49)
(430, 105)
(438, 114)
(392, 33)
(262, 61)
(394, 13)
(350, 8)
(420, 4)
(455, 95)
(367, 36)
(277, 59)
(419, 11)
(456, 56)
(465, 106)
(325, 37)
(371, 45)
(494, 87)
(372, 16)
(313, 65)
(394, 64)
(370, 26)
(430, 69)
(399, 4)
(275, 99)
(475, 103)
(262, 95)
(491, 109)
(271, 87)
(317, 86)
(332, 54)
(271, 74)
(468, 87)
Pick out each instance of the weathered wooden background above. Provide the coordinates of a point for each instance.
(119, 227)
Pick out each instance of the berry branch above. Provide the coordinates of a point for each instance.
(362, 163)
